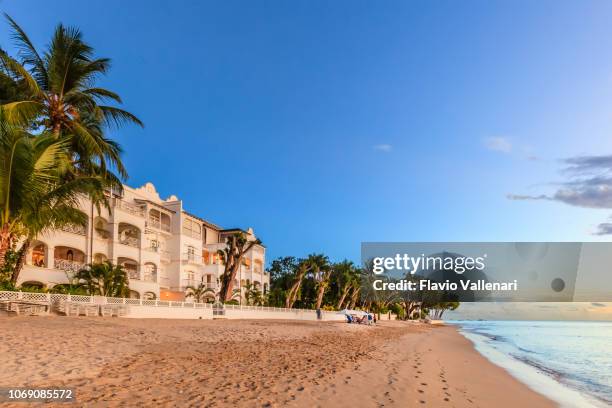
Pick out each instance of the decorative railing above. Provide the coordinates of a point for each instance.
(151, 248)
(196, 283)
(55, 298)
(193, 258)
(74, 229)
(130, 208)
(67, 265)
(152, 223)
(149, 277)
(133, 274)
(102, 233)
(130, 241)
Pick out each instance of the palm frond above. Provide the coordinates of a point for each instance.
(117, 117)
(22, 112)
(29, 55)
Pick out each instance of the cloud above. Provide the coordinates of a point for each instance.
(498, 144)
(605, 228)
(588, 185)
(386, 148)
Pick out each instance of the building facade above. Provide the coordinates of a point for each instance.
(163, 248)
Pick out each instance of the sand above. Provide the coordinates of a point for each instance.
(198, 363)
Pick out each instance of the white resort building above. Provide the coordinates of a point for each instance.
(163, 248)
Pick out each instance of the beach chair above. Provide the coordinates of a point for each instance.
(91, 310)
(72, 309)
(106, 310)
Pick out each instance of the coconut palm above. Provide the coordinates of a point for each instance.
(104, 279)
(322, 273)
(252, 295)
(304, 267)
(199, 293)
(345, 274)
(33, 195)
(55, 90)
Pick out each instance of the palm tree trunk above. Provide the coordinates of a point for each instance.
(5, 245)
(320, 294)
(345, 292)
(297, 283)
(21, 256)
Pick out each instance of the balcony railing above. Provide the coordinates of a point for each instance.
(130, 208)
(150, 277)
(196, 284)
(130, 241)
(133, 273)
(102, 234)
(193, 258)
(67, 265)
(152, 223)
(74, 229)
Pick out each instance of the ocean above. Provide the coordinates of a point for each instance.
(569, 362)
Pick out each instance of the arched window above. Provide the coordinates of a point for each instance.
(150, 272)
(38, 255)
(129, 235)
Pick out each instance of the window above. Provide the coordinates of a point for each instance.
(192, 228)
(206, 257)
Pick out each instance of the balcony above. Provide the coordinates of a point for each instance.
(193, 258)
(156, 224)
(130, 208)
(74, 229)
(68, 265)
(149, 276)
(130, 241)
(129, 235)
(196, 283)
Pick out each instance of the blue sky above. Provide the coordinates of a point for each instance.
(324, 124)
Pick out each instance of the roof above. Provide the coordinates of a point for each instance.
(207, 223)
(142, 200)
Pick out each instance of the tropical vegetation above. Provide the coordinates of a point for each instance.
(54, 144)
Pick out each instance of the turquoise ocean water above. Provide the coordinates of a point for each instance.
(569, 362)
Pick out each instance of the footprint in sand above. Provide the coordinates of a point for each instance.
(421, 391)
(425, 384)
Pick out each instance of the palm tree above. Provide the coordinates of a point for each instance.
(33, 195)
(55, 90)
(199, 293)
(345, 273)
(322, 273)
(252, 295)
(303, 268)
(104, 279)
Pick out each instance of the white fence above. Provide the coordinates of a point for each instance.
(166, 309)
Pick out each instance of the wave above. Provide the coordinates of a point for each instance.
(520, 361)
